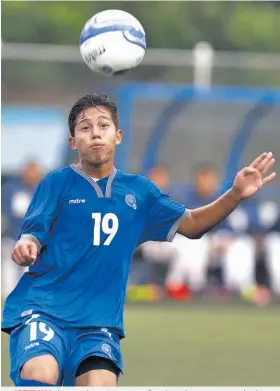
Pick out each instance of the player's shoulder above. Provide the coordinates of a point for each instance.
(58, 175)
(133, 178)
(141, 182)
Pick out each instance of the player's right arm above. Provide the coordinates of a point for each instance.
(39, 217)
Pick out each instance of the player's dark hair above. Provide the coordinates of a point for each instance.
(92, 100)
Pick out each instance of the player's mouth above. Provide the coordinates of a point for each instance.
(97, 146)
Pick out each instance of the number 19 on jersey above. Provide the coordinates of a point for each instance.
(109, 224)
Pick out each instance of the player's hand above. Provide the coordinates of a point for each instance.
(24, 252)
(252, 178)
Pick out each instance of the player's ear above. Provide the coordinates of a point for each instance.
(119, 136)
(72, 143)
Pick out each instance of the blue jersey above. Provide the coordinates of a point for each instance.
(86, 232)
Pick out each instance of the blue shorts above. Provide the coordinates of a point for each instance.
(39, 335)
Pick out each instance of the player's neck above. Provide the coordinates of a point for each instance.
(98, 171)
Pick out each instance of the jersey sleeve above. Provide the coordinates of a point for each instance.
(42, 211)
(164, 216)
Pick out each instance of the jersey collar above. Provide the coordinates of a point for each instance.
(108, 191)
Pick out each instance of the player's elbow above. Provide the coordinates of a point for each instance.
(193, 235)
(190, 228)
(196, 236)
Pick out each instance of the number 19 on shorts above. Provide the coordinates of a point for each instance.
(108, 224)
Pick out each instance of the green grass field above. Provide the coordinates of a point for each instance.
(185, 345)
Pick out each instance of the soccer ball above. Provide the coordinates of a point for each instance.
(112, 42)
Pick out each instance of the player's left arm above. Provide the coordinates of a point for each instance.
(41, 213)
(247, 182)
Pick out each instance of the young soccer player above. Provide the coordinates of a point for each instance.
(65, 316)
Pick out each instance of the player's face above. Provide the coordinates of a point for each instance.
(96, 135)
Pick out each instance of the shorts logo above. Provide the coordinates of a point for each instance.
(106, 349)
(27, 312)
(131, 201)
(32, 345)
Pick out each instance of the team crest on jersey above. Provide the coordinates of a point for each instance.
(130, 200)
(106, 349)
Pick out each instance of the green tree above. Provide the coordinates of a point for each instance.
(226, 25)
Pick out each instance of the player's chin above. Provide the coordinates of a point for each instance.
(98, 159)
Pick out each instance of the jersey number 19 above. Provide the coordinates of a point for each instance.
(108, 224)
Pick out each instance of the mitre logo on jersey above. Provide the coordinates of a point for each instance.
(131, 201)
(77, 201)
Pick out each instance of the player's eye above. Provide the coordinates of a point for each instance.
(104, 126)
(85, 128)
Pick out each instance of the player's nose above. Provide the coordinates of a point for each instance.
(95, 132)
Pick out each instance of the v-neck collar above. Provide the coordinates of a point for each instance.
(108, 191)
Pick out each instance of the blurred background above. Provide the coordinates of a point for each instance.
(204, 103)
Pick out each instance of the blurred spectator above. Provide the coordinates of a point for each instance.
(239, 253)
(159, 175)
(16, 196)
(205, 187)
(269, 236)
(250, 259)
(156, 256)
(192, 259)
